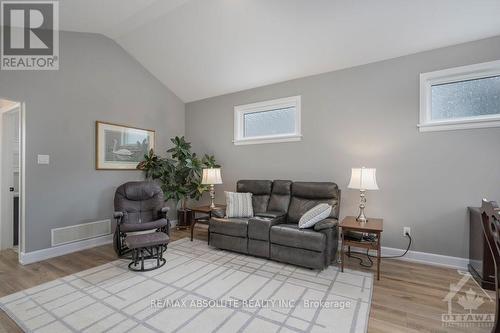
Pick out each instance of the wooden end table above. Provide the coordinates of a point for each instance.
(373, 226)
(204, 219)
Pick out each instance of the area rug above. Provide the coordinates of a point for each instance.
(200, 289)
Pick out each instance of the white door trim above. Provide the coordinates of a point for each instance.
(22, 182)
(22, 173)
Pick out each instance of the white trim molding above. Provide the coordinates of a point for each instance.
(451, 75)
(239, 118)
(26, 258)
(56, 251)
(427, 258)
(424, 258)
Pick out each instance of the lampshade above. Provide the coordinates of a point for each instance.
(211, 176)
(363, 179)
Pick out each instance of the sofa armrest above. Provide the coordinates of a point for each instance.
(327, 223)
(330, 230)
(219, 212)
(271, 214)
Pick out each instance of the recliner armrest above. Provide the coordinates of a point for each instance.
(163, 212)
(326, 224)
(118, 216)
(271, 214)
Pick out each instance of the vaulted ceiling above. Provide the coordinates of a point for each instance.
(205, 48)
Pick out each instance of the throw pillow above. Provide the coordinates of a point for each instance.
(239, 204)
(314, 215)
(325, 224)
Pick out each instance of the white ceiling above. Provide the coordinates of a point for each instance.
(205, 48)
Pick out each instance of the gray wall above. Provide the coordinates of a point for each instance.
(367, 116)
(97, 80)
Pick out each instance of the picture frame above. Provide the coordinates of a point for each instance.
(121, 147)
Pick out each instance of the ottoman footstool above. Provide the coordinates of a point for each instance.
(146, 247)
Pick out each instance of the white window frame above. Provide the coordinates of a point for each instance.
(451, 75)
(241, 110)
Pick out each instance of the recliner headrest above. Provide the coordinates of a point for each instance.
(256, 187)
(282, 187)
(139, 191)
(315, 190)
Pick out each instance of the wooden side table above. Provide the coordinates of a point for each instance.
(373, 226)
(205, 218)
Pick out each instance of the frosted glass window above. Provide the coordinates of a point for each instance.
(272, 122)
(460, 98)
(471, 98)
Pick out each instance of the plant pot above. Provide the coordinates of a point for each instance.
(184, 218)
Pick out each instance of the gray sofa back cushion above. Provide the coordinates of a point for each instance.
(306, 195)
(140, 201)
(280, 196)
(261, 190)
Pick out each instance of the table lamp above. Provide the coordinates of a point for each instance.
(211, 177)
(363, 179)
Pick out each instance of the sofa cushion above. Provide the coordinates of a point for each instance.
(239, 204)
(280, 195)
(271, 214)
(290, 235)
(314, 215)
(261, 190)
(229, 226)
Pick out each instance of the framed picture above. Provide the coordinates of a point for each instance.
(120, 147)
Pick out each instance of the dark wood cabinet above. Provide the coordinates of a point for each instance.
(481, 264)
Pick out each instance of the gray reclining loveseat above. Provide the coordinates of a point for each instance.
(273, 231)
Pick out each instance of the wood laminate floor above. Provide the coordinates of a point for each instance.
(408, 298)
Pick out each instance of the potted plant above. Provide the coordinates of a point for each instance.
(179, 175)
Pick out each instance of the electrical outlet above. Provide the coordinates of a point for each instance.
(406, 231)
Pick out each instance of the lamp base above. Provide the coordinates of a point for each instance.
(361, 219)
(362, 201)
(212, 196)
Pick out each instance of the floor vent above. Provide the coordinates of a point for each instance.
(80, 232)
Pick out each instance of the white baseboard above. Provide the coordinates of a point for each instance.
(428, 258)
(425, 258)
(56, 251)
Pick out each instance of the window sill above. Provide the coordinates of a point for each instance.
(267, 140)
(458, 125)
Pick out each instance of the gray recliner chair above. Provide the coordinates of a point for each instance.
(273, 232)
(139, 206)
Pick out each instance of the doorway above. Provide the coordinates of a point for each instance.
(10, 175)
